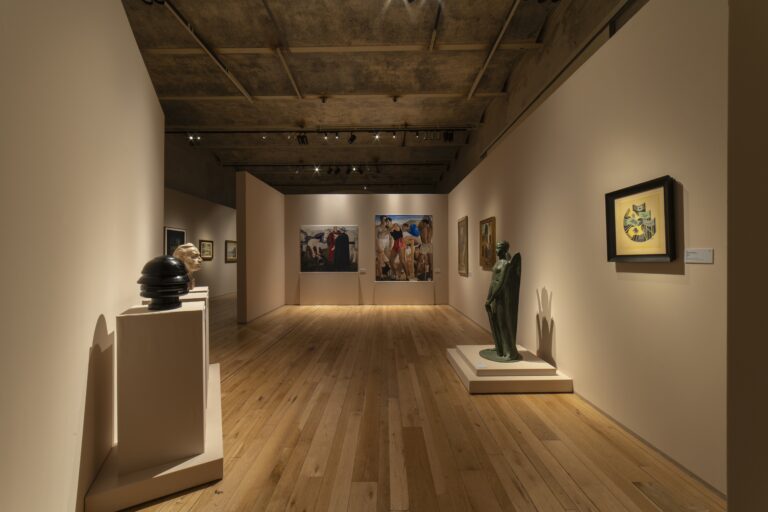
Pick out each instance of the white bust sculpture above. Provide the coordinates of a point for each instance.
(190, 256)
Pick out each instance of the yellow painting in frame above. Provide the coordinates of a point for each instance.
(640, 222)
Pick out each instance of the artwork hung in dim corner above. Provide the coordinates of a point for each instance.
(640, 222)
(464, 246)
(488, 243)
(174, 237)
(190, 256)
(502, 305)
(328, 248)
(206, 249)
(230, 251)
(404, 247)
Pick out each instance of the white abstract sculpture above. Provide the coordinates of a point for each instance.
(190, 256)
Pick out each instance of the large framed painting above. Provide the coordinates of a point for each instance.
(206, 249)
(174, 237)
(230, 251)
(326, 248)
(488, 243)
(404, 248)
(640, 222)
(464, 246)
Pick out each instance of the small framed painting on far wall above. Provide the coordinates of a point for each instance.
(488, 243)
(230, 251)
(206, 249)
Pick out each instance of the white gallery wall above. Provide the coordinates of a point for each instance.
(646, 343)
(361, 287)
(261, 258)
(204, 220)
(81, 206)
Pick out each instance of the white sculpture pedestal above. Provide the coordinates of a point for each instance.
(168, 440)
(530, 375)
(198, 294)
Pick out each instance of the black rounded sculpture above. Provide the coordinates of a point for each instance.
(164, 279)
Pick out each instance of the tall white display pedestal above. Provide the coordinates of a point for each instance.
(168, 440)
(199, 294)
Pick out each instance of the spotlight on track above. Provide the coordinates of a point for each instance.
(317, 169)
(337, 171)
(325, 136)
(394, 135)
(337, 135)
(417, 135)
(352, 138)
(263, 136)
(448, 136)
(377, 136)
(302, 139)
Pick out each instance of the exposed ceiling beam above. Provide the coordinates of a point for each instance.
(392, 48)
(332, 96)
(495, 46)
(279, 50)
(287, 69)
(435, 26)
(209, 51)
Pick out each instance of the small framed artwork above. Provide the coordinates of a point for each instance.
(230, 251)
(488, 243)
(174, 237)
(206, 249)
(640, 222)
(464, 246)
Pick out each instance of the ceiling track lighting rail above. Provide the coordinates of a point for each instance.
(336, 130)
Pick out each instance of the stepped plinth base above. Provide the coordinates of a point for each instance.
(529, 375)
(112, 491)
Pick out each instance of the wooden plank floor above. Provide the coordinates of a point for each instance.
(357, 408)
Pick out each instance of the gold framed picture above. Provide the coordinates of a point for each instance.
(488, 243)
(464, 246)
(640, 222)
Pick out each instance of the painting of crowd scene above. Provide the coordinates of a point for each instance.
(404, 248)
(328, 248)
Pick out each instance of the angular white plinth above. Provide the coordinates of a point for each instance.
(531, 375)
(160, 385)
(112, 491)
(198, 294)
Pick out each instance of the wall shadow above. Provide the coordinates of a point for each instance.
(676, 267)
(98, 417)
(545, 327)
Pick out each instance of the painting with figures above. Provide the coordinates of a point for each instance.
(404, 248)
(328, 248)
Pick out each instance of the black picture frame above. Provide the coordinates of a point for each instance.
(172, 238)
(230, 251)
(667, 183)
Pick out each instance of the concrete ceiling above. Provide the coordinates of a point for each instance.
(248, 76)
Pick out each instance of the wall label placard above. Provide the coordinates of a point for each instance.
(700, 256)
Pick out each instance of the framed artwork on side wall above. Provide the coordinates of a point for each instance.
(206, 249)
(640, 222)
(464, 246)
(488, 243)
(173, 238)
(230, 251)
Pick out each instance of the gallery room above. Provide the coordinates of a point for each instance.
(383, 255)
